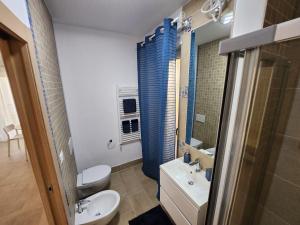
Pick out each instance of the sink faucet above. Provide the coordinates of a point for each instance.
(80, 204)
(198, 166)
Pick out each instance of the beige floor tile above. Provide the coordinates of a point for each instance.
(122, 218)
(116, 184)
(20, 202)
(138, 193)
(140, 202)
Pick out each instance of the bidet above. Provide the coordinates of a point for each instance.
(98, 209)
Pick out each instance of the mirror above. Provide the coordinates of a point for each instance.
(206, 86)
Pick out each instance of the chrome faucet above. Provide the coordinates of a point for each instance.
(84, 201)
(198, 166)
(81, 205)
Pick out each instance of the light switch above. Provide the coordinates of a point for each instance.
(200, 118)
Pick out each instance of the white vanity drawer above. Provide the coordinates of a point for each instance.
(179, 198)
(173, 211)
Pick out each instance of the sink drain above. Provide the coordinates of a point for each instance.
(191, 182)
(98, 214)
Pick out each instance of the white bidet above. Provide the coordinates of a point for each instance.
(98, 209)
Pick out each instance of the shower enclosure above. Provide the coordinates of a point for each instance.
(262, 179)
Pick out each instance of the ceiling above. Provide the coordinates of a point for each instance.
(131, 17)
(212, 31)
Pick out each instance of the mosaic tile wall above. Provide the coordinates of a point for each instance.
(44, 40)
(211, 72)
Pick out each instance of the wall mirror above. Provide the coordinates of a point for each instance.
(207, 72)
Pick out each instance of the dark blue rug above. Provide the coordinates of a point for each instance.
(155, 216)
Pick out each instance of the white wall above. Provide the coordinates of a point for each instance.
(19, 8)
(92, 64)
(177, 14)
(248, 16)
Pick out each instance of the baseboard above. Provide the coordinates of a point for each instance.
(126, 165)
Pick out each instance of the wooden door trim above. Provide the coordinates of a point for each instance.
(19, 50)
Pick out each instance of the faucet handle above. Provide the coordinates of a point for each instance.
(79, 207)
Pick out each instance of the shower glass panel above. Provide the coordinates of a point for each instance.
(279, 11)
(268, 185)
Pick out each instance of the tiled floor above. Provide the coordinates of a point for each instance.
(20, 202)
(138, 193)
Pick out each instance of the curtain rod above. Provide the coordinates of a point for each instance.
(153, 35)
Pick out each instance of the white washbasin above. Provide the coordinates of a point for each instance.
(99, 209)
(183, 174)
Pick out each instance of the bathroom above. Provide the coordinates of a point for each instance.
(159, 112)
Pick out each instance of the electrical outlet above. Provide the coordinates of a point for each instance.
(111, 144)
(61, 157)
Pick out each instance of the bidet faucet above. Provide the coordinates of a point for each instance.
(84, 201)
(80, 204)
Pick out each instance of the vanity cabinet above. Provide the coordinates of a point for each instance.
(186, 204)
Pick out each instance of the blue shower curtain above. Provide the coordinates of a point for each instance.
(157, 94)
(191, 90)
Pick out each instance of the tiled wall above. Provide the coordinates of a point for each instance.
(279, 11)
(269, 182)
(211, 72)
(42, 30)
(279, 200)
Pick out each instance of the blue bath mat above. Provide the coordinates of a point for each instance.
(155, 216)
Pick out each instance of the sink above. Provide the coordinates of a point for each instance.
(193, 184)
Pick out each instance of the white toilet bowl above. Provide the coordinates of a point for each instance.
(93, 180)
(99, 208)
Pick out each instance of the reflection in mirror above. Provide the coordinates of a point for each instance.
(206, 86)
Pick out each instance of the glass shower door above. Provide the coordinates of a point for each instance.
(258, 182)
(267, 190)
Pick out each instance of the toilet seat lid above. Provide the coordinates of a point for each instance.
(95, 173)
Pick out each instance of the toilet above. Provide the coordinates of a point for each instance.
(93, 180)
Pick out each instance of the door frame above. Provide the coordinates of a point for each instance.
(19, 57)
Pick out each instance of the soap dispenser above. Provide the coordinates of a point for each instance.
(187, 156)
